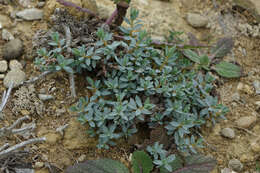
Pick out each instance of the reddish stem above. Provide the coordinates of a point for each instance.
(121, 12)
(112, 17)
(85, 10)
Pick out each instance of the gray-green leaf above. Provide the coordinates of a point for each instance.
(223, 47)
(98, 166)
(142, 162)
(228, 70)
(193, 56)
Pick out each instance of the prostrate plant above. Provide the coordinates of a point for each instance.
(142, 163)
(140, 83)
(160, 156)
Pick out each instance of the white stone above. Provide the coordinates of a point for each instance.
(257, 86)
(6, 35)
(15, 65)
(3, 66)
(39, 165)
(235, 165)
(197, 20)
(30, 14)
(228, 133)
(45, 97)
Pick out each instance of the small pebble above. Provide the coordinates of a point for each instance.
(2, 76)
(61, 111)
(25, 112)
(3, 66)
(240, 86)
(38, 165)
(6, 35)
(235, 165)
(227, 170)
(257, 103)
(255, 146)
(257, 86)
(15, 65)
(235, 97)
(197, 20)
(82, 158)
(40, 4)
(228, 132)
(45, 97)
(246, 122)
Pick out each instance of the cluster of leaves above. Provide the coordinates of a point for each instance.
(142, 163)
(161, 160)
(223, 68)
(140, 83)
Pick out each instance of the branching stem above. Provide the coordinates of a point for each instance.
(20, 145)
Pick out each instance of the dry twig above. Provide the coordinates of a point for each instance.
(37, 78)
(5, 131)
(6, 145)
(20, 145)
(5, 97)
(71, 75)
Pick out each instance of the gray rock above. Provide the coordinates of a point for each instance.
(255, 146)
(235, 97)
(15, 65)
(2, 76)
(25, 3)
(3, 66)
(45, 97)
(235, 165)
(6, 35)
(228, 133)
(30, 14)
(197, 20)
(40, 4)
(227, 170)
(257, 104)
(15, 76)
(13, 49)
(39, 165)
(61, 111)
(246, 121)
(257, 86)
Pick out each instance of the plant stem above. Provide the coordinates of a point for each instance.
(70, 4)
(20, 145)
(121, 12)
(111, 18)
